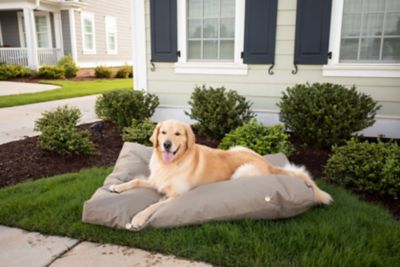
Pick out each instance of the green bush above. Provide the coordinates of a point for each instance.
(10, 71)
(371, 168)
(103, 72)
(218, 111)
(262, 139)
(61, 117)
(326, 114)
(124, 72)
(51, 72)
(60, 135)
(122, 106)
(69, 66)
(66, 140)
(139, 132)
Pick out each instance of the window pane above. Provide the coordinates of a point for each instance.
(194, 9)
(194, 28)
(370, 48)
(348, 49)
(393, 5)
(227, 49)
(88, 42)
(352, 6)
(111, 42)
(88, 25)
(42, 39)
(210, 50)
(372, 24)
(210, 28)
(194, 50)
(392, 26)
(228, 8)
(374, 5)
(227, 28)
(391, 49)
(211, 8)
(41, 23)
(351, 25)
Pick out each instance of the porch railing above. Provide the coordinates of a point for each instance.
(46, 56)
(14, 56)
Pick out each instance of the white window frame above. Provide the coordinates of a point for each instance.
(106, 22)
(1, 36)
(90, 16)
(218, 68)
(22, 33)
(335, 68)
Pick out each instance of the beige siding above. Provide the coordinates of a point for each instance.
(102, 8)
(263, 89)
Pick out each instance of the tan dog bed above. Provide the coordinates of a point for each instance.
(264, 197)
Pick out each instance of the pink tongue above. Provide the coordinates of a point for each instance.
(168, 157)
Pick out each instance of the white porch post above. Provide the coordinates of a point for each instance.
(31, 39)
(139, 44)
(58, 34)
(72, 25)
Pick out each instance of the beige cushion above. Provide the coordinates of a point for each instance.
(264, 197)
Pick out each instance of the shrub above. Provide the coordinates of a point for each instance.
(51, 72)
(66, 140)
(124, 72)
(102, 72)
(59, 133)
(69, 66)
(371, 168)
(10, 71)
(139, 132)
(61, 117)
(326, 114)
(121, 106)
(262, 139)
(218, 111)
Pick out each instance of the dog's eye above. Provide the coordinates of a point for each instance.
(163, 132)
(177, 134)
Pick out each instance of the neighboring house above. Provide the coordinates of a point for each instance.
(38, 32)
(261, 47)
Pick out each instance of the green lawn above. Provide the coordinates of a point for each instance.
(347, 233)
(68, 89)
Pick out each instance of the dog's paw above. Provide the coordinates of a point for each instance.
(115, 188)
(138, 221)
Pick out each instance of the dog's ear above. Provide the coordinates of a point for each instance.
(190, 138)
(154, 136)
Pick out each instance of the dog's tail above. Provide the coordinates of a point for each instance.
(301, 173)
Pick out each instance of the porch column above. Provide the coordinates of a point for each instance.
(58, 35)
(31, 38)
(72, 25)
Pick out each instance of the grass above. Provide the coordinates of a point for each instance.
(347, 233)
(68, 89)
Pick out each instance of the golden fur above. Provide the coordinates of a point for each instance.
(185, 165)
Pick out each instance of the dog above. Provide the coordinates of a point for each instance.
(178, 165)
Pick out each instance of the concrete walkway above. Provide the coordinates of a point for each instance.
(18, 122)
(21, 248)
(13, 88)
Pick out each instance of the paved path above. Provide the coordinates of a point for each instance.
(28, 249)
(13, 88)
(18, 122)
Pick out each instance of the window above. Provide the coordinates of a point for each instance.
(370, 31)
(111, 35)
(88, 33)
(42, 27)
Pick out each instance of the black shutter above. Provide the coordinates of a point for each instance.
(312, 31)
(260, 30)
(163, 16)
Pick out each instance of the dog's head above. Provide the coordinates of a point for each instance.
(172, 139)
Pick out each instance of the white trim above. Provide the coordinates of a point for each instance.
(107, 63)
(388, 126)
(335, 68)
(31, 41)
(90, 16)
(21, 30)
(225, 68)
(1, 36)
(58, 31)
(18, 5)
(72, 30)
(139, 44)
(107, 22)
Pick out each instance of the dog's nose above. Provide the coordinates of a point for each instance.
(167, 144)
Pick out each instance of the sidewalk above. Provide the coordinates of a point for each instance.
(18, 122)
(13, 88)
(29, 249)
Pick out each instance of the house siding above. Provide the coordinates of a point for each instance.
(121, 10)
(9, 27)
(262, 89)
(66, 33)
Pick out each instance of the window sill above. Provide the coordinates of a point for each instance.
(211, 68)
(362, 70)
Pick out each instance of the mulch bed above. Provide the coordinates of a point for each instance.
(23, 160)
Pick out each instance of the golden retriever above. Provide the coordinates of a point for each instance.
(178, 165)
